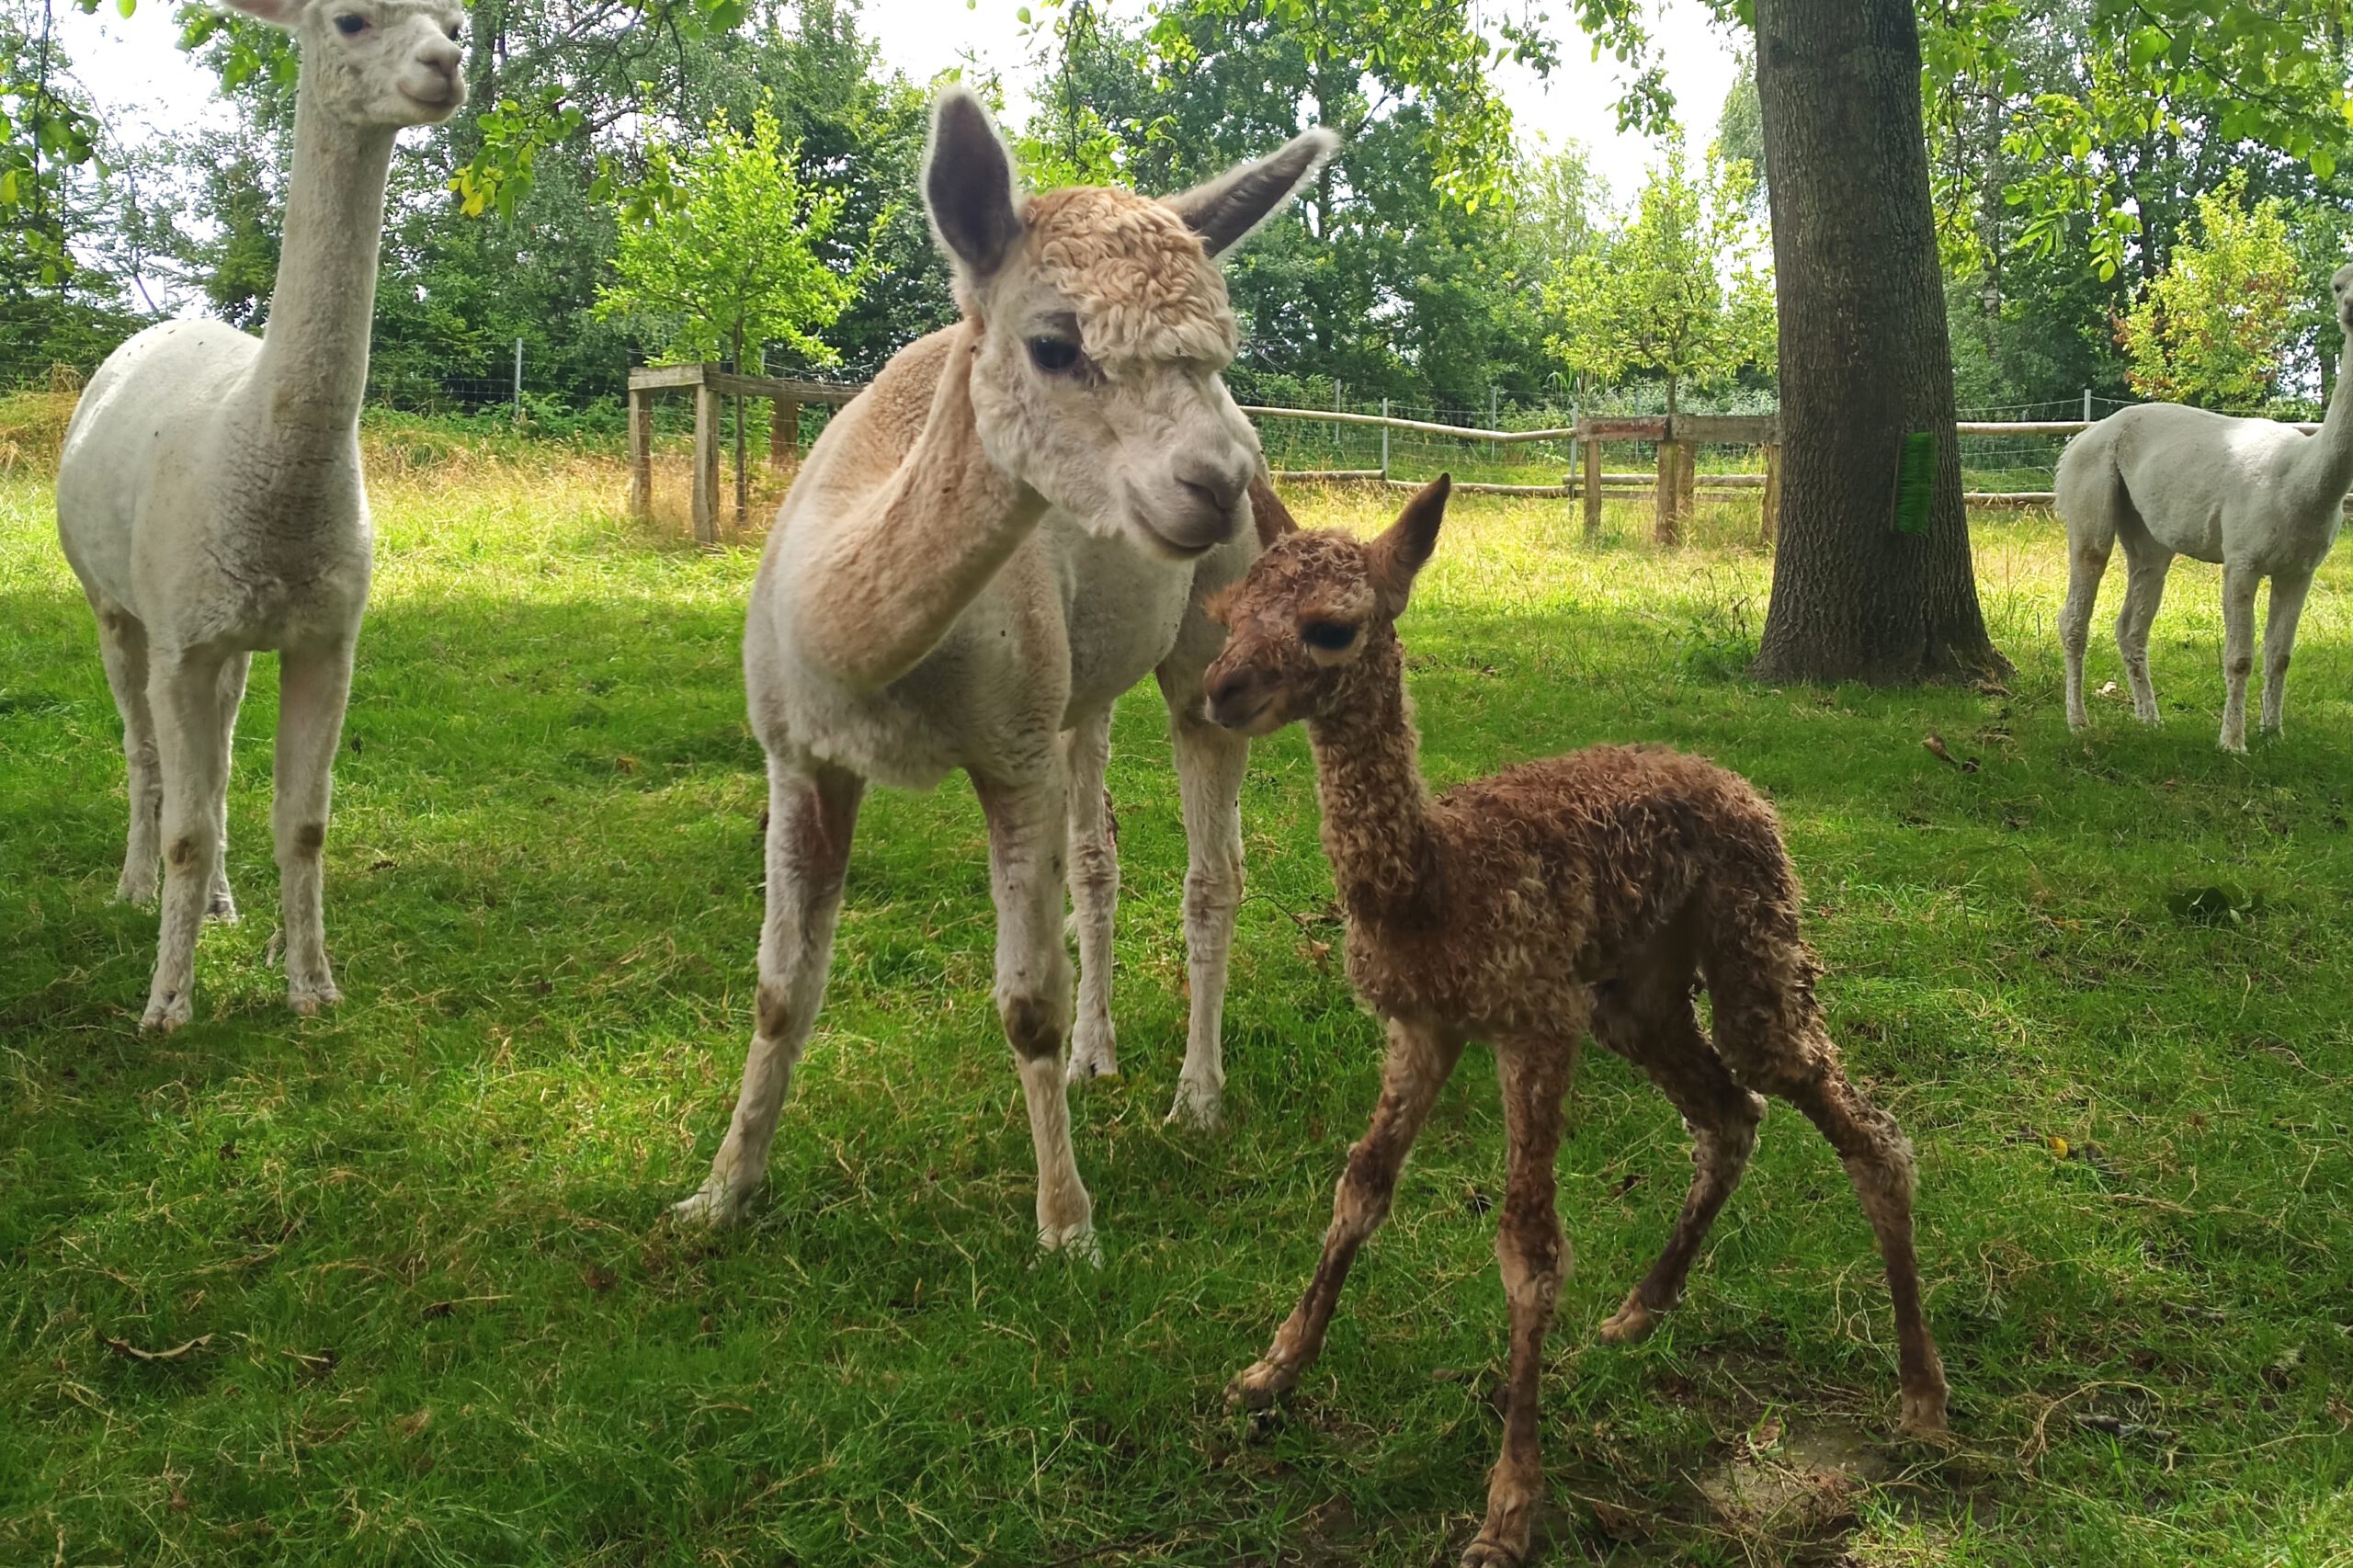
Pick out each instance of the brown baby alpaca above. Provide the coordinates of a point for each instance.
(1592, 892)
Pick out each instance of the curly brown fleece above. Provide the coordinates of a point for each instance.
(1592, 892)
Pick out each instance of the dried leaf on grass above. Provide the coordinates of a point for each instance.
(124, 1347)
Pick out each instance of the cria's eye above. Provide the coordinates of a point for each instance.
(1329, 635)
(1053, 354)
(350, 24)
(453, 32)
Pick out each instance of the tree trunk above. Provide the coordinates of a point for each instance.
(1866, 356)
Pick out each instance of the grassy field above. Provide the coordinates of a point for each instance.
(392, 1286)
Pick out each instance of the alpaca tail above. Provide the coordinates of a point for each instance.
(2091, 496)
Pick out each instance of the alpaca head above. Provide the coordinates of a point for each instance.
(1300, 622)
(1104, 328)
(376, 65)
(2340, 288)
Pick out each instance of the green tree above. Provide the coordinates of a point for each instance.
(1680, 291)
(728, 255)
(2219, 324)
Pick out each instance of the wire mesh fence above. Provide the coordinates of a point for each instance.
(2006, 450)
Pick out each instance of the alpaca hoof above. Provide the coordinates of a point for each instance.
(1924, 1416)
(222, 909)
(167, 1011)
(1198, 1108)
(1092, 1053)
(1258, 1387)
(1079, 1241)
(1630, 1324)
(716, 1206)
(1485, 1553)
(136, 893)
(307, 997)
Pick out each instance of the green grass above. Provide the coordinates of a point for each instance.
(419, 1242)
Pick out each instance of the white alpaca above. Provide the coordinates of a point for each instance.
(1014, 524)
(208, 497)
(2263, 499)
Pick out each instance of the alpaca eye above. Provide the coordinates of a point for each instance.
(453, 32)
(350, 25)
(1329, 635)
(1052, 354)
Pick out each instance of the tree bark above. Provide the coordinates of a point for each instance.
(1865, 354)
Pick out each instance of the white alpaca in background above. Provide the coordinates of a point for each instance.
(2263, 499)
(208, 497)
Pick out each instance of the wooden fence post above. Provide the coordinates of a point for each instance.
(706, 482)
(641, 453)
(742, 475)
(784, 432)
(1687, 485)
(1592, 491)
(1772, 523)
(1666, 490)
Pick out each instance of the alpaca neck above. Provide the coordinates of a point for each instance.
(313, 366)
(891, 578)
(1377, 828)
(2325, 471)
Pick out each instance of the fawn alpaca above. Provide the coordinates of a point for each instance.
(1586, 892)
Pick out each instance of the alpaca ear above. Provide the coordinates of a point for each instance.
(1398, 555)
(1226, 209)
(967, 184)
(286, 14)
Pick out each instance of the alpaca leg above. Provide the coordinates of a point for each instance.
(811, 817)
(1534, 1257)
(1027, 831)
(2278, 642)
(1093, 894)
(122, 643)
(184, 693)
(219, 904)
(1768, 1029)
(1210, 761)
(2145, 589)
(2086, 563)
(2239, 583)
(1416, 1067)
(1879, 1163)
(313, 685)
(1661, 1035)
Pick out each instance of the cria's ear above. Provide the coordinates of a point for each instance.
(286, 14)
(1224, 210)
(1399, 553)
(967, 184)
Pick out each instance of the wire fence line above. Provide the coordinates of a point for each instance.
(2007, 451)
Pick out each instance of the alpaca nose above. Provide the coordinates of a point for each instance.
(441, 81)
(1220, 485)
(1234, 696)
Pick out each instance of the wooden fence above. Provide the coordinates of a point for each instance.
(1674, 484)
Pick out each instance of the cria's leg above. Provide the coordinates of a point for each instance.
(1027, 830)
(219, 904)
(1768, 1029)
(2145, 565)
(184, 693)
(1094, 893)
(1659, 1032)
(1210, 761)
(313, 685)
(1411, 1075)
(1534, 1257)
(2086, 563)
(2278, 642)
(811, 817)
(2239, 583)
(122, 643)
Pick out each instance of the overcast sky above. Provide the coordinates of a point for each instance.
(144, 83)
